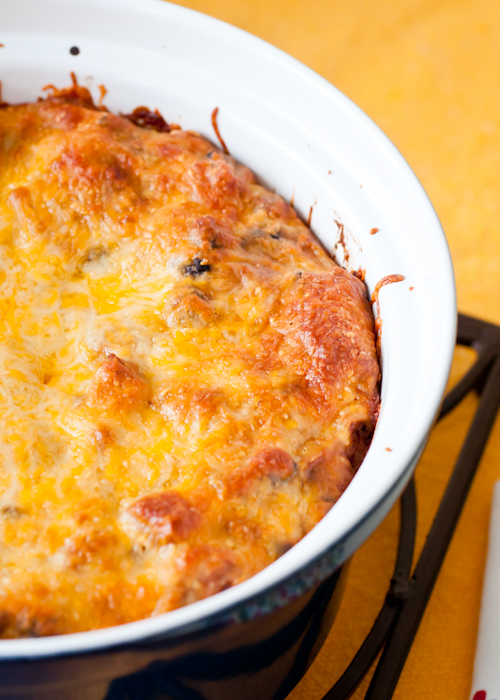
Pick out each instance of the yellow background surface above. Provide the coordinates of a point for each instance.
(428, 72)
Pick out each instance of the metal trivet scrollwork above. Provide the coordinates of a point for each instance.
(411, 585)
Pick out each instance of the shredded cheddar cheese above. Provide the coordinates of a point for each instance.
(188, 381)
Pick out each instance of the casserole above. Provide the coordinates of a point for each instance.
(320, 149)
(189, 381)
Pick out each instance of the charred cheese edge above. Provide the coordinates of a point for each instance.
(188, 381)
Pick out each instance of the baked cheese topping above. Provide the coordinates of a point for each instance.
(188, 381)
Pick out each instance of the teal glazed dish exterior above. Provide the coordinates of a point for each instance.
(306, 140)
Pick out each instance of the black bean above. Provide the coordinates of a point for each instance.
(196, 268)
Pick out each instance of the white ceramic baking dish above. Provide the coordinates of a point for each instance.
(304, 138)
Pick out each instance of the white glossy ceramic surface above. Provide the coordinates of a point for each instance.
(304, 138)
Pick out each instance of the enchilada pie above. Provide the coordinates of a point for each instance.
(188, 381)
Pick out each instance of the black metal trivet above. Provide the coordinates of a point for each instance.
(399, 618)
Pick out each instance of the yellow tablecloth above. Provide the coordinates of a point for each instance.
(428, 72)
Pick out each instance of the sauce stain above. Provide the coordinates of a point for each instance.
(310, 216)
(217, 132)
(341, 242)
(389, 279)
(102, 94)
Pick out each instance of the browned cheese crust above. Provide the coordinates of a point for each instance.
(188, 382)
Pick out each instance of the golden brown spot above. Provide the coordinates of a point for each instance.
(209, 233)
(215, 184)
(312, 336)
(166, 516)
(168, 150)
(331, 471)
(118, 386)
(206, 570)
(89, 167)
(275, 206)
(180, 401)
(271, 462)
(241, 528)
(308, 243)
(98, 549)
(360, 433)
(191, 311)
(5, 622)
(102, 436)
